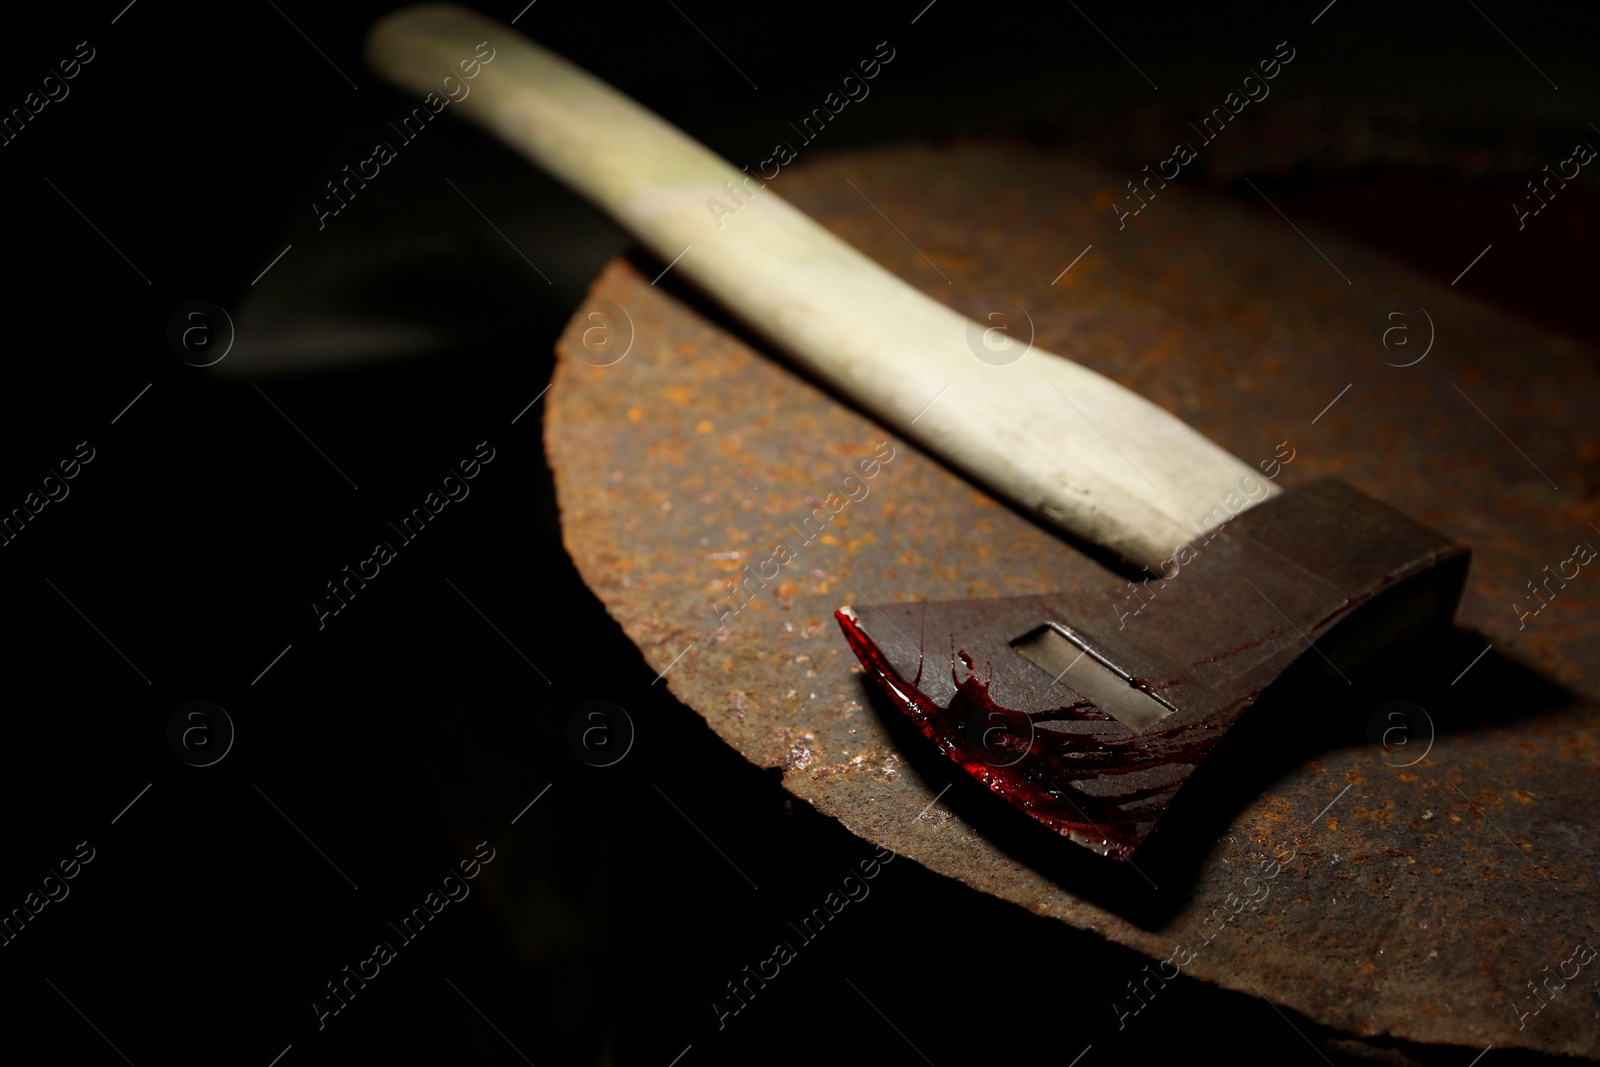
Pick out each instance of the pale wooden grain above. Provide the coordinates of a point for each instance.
(1107, 466)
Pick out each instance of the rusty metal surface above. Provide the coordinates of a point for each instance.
(1416, 897)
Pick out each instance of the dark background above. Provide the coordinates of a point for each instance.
(427, 715)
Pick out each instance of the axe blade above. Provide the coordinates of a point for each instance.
(1089, 708)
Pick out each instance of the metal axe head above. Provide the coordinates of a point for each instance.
(1088, 709)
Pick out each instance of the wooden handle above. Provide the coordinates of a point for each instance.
(1087, 455)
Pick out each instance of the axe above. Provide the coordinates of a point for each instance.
(1079, 711)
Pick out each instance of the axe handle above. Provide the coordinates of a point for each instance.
(1080, 451)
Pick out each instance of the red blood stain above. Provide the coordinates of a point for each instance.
(1035, 769)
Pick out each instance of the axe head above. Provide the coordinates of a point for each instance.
(1088, 709)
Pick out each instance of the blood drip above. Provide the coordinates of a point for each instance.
(1046, 762)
